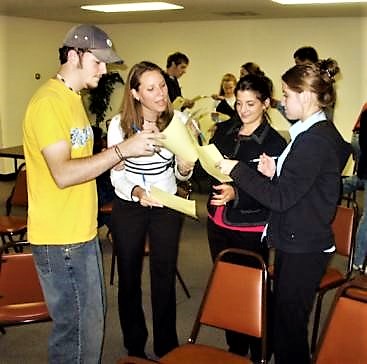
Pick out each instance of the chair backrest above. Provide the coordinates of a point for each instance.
(19, 194)
(235, 297)
(344, 336)
(19, 281)
(343, 229)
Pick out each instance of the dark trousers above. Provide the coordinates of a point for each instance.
(131, 224)
(296, 280)
(219, 239)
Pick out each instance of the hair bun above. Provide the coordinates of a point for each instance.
(329, 67)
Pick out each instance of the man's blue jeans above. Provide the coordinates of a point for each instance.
(72, 280)
(351, 184)
(361, 236)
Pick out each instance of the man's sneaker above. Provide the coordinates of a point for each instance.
(357, 267)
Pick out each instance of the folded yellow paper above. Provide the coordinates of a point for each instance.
(181, 140)
(187, 207)
(209, 157)
(178, 139)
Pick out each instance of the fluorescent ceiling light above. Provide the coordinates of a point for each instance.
(121, 8)
(310, 2)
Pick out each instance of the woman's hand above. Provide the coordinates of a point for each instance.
(217, 97)
(119, 166)
(226, 166)
(184, 167)
(266, 166)
(144, 197)
(188, 103)
(224, 193)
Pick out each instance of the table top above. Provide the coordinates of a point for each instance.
(12, 152)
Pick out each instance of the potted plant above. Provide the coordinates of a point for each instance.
(99, 97)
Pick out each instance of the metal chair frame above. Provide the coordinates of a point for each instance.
(21, 296)
(344, 227)
(343, 336)
(13, 225)
(235, 299)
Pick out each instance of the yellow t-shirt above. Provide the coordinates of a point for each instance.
(57, 216)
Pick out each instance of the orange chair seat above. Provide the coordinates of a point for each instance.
(201, 354)
(345, 339)
(12, 224)
(21, 297)
(25, 312)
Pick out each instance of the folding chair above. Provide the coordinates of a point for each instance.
(351, 197)
(21, 297)
(12, 226)
(344, 231)
(344, 334)
(235, 299)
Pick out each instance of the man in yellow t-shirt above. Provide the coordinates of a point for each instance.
(62, 214)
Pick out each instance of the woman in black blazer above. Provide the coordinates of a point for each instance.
(302, 195)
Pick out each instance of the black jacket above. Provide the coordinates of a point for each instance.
(303, 199)
(174, 89)
(245, 210)
(224, 108)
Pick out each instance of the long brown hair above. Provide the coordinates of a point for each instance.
(131, 109)
(318, 78)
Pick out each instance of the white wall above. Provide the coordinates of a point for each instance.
(363, 46)
(214, 48)
(27, 47)
(2, 77)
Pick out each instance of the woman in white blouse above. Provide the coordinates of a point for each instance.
(137, 216)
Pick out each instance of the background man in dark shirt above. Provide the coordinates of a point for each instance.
(177, 64)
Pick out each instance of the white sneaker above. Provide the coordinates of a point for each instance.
(357, 267)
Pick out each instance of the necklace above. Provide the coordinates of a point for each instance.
(150, 121)
(59, 77)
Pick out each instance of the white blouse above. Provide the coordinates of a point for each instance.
(159, 170)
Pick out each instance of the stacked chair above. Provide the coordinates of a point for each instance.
(14, 227)
(21, 297)
(344, 226)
